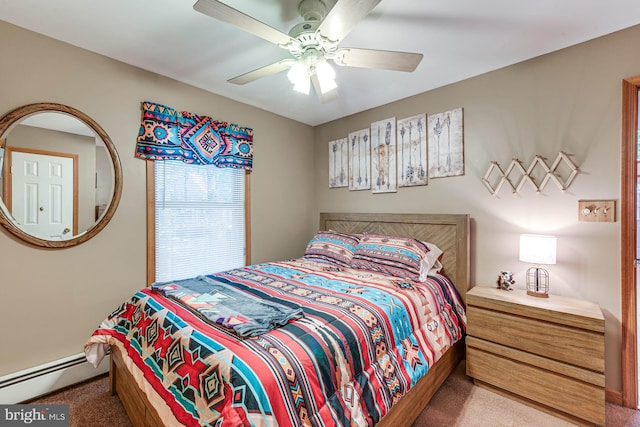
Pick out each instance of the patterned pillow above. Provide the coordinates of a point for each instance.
(397, 256)
(330, 246)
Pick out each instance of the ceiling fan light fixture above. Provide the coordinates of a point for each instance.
(312, 42)
(326, 76)
(302, 86)
(299, 76)
(312, 10)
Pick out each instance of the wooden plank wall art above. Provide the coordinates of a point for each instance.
(338, 166)
(412, 134)
(383, 152)
(360, 160)
(398, 153)
(446, 148)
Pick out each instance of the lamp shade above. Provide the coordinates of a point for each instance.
(538, 249)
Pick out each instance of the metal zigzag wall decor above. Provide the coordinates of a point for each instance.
(539, 173)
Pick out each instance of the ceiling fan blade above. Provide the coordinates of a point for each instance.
(344, 16)
(382, 59)
(225, 13)
(262, 72)
(324, 97)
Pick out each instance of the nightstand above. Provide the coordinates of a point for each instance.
(544, 352)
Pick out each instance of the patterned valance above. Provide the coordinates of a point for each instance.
(166, 134)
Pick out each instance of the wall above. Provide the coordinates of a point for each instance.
(54, 299)
(569, 100)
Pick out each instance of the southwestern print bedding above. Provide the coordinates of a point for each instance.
(364, 340)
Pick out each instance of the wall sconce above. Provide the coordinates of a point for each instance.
(537, 249)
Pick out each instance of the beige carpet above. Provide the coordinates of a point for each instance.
(458, 403)
(90, 404)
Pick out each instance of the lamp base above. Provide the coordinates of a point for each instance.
(538, 282)
(537, 294)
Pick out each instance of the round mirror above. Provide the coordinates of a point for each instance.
(60, 175)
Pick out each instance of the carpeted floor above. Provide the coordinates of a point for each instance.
(458, 403)
(90, 404)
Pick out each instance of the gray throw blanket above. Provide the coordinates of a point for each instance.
(222, 304)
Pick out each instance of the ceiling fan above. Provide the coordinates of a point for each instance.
(313, 42)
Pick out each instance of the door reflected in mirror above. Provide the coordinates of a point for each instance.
(60, 175)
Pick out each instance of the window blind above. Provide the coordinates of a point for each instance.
(199, 219)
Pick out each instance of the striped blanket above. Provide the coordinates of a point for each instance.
(364, 341)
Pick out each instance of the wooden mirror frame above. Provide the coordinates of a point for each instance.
(13, 117)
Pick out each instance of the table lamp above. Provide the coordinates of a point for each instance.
(537, 249)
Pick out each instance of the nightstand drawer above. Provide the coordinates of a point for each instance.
(579, 347)
(560, 392)
(560, 368)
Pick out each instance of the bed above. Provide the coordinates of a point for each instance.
(385, 396)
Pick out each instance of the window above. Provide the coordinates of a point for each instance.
(199, 219)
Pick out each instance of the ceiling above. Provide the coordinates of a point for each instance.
(459, 39)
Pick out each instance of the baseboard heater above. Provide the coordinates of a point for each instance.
(43, 379)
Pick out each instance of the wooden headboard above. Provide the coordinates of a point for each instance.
(450, 232)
